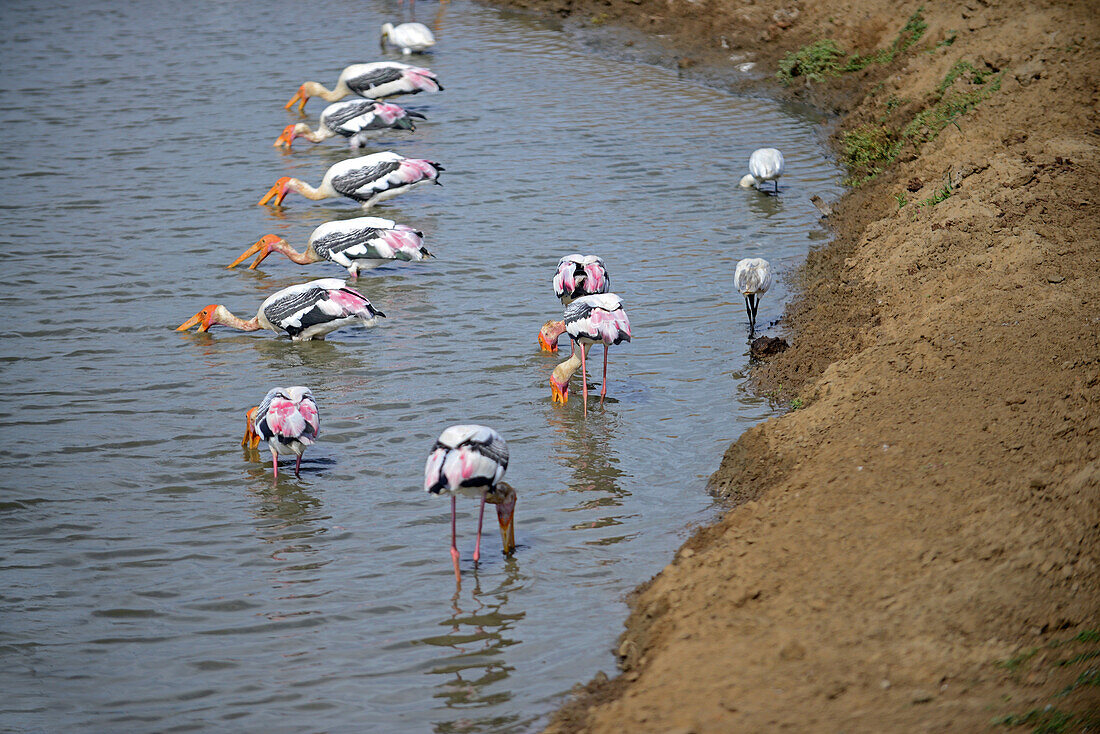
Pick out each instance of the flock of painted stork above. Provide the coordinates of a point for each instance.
(467, 459)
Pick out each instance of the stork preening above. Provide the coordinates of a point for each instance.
(357, 244)
(588, 320)
(354, 119)
(577, 275)
(409, 37)
(287, 419)
(765, 164)
(470, 460)
(753, 278)
(377, 80)
(367, 179)
(305, 311)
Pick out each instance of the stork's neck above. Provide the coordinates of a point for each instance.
(306, 190)
(302, 258)
(565, 370)
(313, 89)
(223, 315)
(314, 136)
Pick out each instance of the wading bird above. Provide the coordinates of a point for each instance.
(354, 119)
(753, 278)
(377, 80)
(470, 460)
(409, 37)
(367, 179)
(588, 320)
(578, 275)
(357, 244)
(287, 419)
(305, 311)
(765, 164)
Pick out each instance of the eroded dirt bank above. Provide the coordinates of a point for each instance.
(917, 546)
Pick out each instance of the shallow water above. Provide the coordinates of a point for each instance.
(152, 577)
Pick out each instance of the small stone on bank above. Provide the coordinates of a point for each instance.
(1055, 279)
(766, 346)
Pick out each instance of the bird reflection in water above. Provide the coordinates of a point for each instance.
(585, 448)
(478, 631)
(287, 519)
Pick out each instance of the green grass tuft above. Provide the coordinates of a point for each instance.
(814, 62)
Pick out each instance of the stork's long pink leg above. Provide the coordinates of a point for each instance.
(480, 517)
(584, 380)
(603, 389)
(454, 545)
(275, 463)
(298, 463)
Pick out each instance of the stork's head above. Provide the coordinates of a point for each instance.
(302, 95)
(264, 247)
(279, 191)
(204, 319)
(504, 497)
(286, 138)
(747, 181)
(251, 439)
(549, 333)
(559, 391)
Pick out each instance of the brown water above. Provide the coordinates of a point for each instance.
(152, 579)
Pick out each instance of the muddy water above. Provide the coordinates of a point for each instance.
(152, 577)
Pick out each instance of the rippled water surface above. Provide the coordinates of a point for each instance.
(152, 578)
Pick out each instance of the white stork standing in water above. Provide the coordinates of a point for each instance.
(287, 419)
(578, 275)
(753, 278)
(354, 119)
(471, 460)
(357, 244)
(377, 80)
(765, 164)
(409, 37)
(588, 320)
(305, 311)
(367, 179)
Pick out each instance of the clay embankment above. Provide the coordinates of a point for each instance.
(915, 547)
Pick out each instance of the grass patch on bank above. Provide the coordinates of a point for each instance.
(824, 58)
(1069, 714)
(869, 149)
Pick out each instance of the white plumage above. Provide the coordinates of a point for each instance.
(753, 278)
(765, 164)
(376, 80)
(409, 37)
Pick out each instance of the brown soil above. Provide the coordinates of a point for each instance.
(916, 548)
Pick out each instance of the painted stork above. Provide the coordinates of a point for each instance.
(377, 80)
(367, 179)
(765, 164)
(409, 37)
(471, 460)
(357, 244)
(305, 311)
(753, 278)
(588, 320)
(354, 119)
(287, 419)
(578, 275)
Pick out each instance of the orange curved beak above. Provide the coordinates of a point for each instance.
(278, 191)
(286, 138)
(202, 319)
(299, 96)
(263, 247)
(251, 438)
(546, 345)
(507, 530)
(559, 393)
